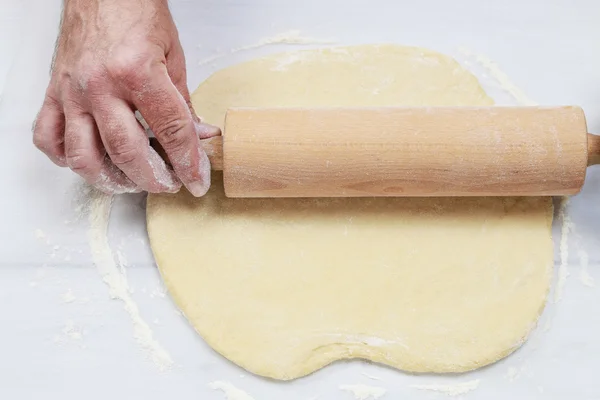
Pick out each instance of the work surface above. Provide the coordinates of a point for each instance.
(64, 336)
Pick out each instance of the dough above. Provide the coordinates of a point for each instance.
(283, 287)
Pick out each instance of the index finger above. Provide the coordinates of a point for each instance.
(169, 117)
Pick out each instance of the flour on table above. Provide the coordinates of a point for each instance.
(364, 392)
(102, 255)
(71, 334)
(584, 274)
(292, 37)
(512, 373)
(373, 377)
(289, 37)
(450, 389)
(72, 331)
(231, 392)
(68, 296)
(39, 234)
(563, 269)
(503, 80)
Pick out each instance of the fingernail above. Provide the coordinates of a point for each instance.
(201, 186)
(206, 130)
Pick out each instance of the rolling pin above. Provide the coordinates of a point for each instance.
(403, 151)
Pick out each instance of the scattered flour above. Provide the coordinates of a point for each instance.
(584, 275)
(375, 378)
(158, 292)
(364, 392)
(450, 390)
(72, 331)
(512, 373)
(289, 37)
(212, 58)
(99, 213)
(502, 79)
(39, 234)
(122, 263)
(563, 269)
(231, 392)
(68, 297)
(293, 37)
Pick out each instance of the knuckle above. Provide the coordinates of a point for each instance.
(40, 141)
(122, 150)
(172, 132)
(92, 80)
(129, 69)
(80, 163)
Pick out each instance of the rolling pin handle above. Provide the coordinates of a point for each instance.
(593, 142)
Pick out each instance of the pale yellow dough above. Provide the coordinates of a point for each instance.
(283, 287)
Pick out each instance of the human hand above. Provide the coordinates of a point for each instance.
(114, 57)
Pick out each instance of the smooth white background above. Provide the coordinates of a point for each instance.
(549, 48)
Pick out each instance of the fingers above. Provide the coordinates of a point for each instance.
(168, 115)
(86, 156)
(48, 131)
(127, 146)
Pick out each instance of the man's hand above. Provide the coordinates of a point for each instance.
(114, 57)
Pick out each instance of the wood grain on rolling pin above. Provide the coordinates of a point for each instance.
(449, 151)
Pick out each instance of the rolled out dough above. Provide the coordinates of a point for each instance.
(283, 287)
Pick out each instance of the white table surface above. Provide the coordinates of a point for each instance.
(50, 291)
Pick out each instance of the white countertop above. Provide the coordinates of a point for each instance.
(63, 337)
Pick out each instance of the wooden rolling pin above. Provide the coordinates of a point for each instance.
(401, 151)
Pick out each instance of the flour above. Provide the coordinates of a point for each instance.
(231, 392)
(512, 373)
(158, 292)
(162, 174)
(72, 331)
(584, 276)
(450, 390)
(563, 269)
(292, 37)
(364, 392)
(375, 378)
(503, 80)
(39, 234)
(99, 213)
(212, 58)
(68, 297)
(289, 37)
